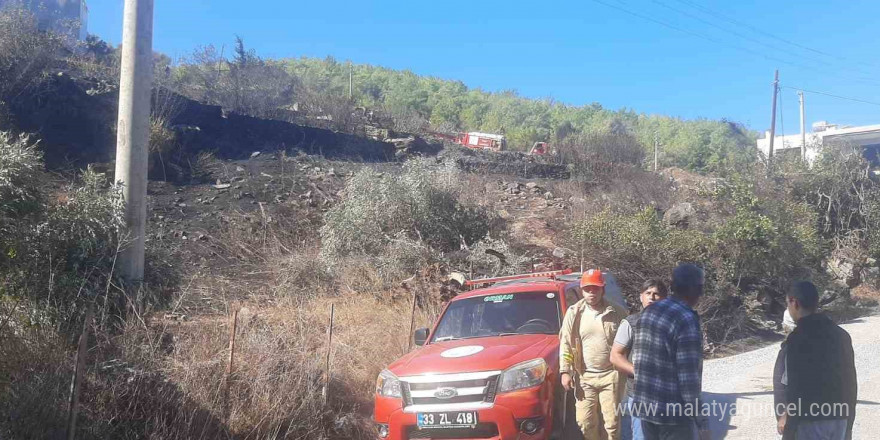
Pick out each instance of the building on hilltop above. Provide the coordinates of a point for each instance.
(66, 17)
(866, 136)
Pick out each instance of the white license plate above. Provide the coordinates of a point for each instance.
(452, 419)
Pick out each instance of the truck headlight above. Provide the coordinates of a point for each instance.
(388, 384)
(524, 375)
(382, 429)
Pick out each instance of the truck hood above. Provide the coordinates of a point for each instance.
(477, 354)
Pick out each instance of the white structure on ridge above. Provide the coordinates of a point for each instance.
(866, 136)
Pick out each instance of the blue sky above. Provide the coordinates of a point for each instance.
(619, 53)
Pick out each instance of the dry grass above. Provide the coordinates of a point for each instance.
(34, 375)
(275, 390)
(629, 190)
(162, 377)
(596, 157)
(866, 292)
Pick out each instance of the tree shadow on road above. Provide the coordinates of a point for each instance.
(723, 406)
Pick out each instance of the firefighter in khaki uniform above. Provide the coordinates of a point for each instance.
(586, 337)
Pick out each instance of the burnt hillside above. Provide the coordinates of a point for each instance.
(74, 118)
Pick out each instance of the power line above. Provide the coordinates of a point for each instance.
(761, 31)
(833, 95)
(725, 17)
(691, 33)
(781, 113)
(752, 39)
(724, 43)
(770, 46)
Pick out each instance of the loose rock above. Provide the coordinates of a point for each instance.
(680, 215)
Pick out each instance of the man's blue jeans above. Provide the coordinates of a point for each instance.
(631, 427)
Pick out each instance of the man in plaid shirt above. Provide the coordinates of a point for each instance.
(668, 361)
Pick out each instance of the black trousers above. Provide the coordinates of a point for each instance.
(683, 431)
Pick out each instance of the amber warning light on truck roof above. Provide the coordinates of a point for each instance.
(549, 274)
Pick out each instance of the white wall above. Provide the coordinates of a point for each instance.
(864, 135)
(789, 142)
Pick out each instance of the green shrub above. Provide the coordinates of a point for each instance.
(57, 251)
(21, 170)
(765, 243)
(638, 246)
(419, 204)
(770, 238)
(407, 255)
(87, 226)
(844, 197)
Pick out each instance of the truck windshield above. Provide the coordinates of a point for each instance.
(502, 314)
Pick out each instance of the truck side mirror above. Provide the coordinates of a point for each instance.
(420, 336)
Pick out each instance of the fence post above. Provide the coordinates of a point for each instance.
(412, 322)
(229, 365)
(329, 346)
(78, 371)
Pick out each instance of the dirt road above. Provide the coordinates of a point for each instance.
(746, 381)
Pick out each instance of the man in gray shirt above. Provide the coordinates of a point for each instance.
(652, 290)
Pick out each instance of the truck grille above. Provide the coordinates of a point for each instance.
(483, 430)
(449, 392)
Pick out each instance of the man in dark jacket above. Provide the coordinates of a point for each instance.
(779, 380)
(820, 370)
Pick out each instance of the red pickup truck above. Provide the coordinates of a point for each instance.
(488, 369)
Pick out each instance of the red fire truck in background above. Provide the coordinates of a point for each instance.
(477, 140)
(493, 142)
(474, 139)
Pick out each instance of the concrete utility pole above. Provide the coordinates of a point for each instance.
(773, 118)
(656, 150)
(350, 82)
(133, 130)
(803, 127)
